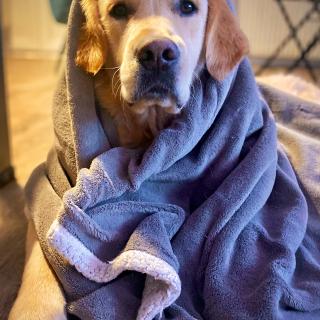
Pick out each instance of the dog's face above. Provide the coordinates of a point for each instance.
(159, 49)
(159, 46)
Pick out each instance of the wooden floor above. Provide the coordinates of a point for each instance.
(30, 88)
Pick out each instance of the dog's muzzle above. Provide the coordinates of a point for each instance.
(158, 63)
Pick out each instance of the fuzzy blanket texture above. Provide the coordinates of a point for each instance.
(211, 221)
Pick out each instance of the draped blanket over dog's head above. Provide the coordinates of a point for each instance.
(209, 222)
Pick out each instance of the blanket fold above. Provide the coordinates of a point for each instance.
(210, 221)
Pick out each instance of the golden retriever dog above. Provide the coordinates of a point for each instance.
(143, 55)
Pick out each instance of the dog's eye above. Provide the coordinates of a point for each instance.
(119, 11)
(187, 7)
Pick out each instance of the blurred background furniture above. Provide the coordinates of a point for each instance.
(60, 10)
(312, 14)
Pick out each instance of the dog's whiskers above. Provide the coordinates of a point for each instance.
(125, 116)
(118, 90)
(110, 68)
(112, 81)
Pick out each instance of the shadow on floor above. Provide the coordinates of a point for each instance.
(13, 228)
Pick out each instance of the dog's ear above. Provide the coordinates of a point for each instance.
(92, 46)
(225, 43)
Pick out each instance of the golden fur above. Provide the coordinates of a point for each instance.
(106, 49)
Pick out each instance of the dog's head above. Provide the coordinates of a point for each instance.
(159, 45)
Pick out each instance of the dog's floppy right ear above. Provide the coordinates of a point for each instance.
(92, 47)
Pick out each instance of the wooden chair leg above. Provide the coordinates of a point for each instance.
(6, 170)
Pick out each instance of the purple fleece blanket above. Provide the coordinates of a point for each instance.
(209, 222)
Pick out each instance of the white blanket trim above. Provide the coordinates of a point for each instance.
(162, 286)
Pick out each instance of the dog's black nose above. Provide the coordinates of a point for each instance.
(160, 54)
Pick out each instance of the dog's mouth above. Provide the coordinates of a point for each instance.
(158, 92)
(154, 89)
(157, 95)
